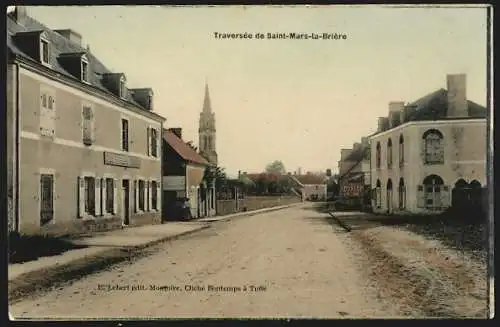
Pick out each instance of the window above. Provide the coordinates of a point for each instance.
(85, 67)
(50, 104)
(432, 188)
(124, 135)
(154, 195)
(150, 102)
(377, 155)
(389, 195)
(142, 194)
(389, 153)
(110, 196)
(44, 51)
(89, 195)
(378, 195)
(46, 198)
(87, 125)
(401, 150)
(154, 142)
(433, 147)
(402, 194)
(47, 112)
(122, 89)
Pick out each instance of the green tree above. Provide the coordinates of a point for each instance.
(276, 167)
(217, 175)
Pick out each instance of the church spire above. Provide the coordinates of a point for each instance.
(206, 102)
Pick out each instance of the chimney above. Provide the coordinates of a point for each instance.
(357, 146)
(406, 112)
(395, 109)
(177, 131)
(71, 35)
(383, 123)
(457, 97)
(344, 153)
(20, 15)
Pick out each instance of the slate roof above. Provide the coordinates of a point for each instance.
(184, 150)
(435, 106)
(358, 154)
(60, 45)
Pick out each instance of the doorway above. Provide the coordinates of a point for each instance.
(126, 202)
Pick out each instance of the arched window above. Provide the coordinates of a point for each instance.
(377, 155)
(389, 153)
(401, 150)
(389, 195)
(402, 194)
(44, 101)
(433, 185)
(378, 194)
(433, 147)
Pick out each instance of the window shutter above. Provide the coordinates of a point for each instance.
(97, 196)
(445, 197)
(136, 197)
(103, 190)
(158, 144)
(92, 128)
(51, 118)
(115, 196)
(81, 196)
(149, 141)
(158, 196)
(150, 193)
(420, 197)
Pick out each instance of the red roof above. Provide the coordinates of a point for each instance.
(184, 150)
(310, 179)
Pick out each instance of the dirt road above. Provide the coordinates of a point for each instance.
(287, 263)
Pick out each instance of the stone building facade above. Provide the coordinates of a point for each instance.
(85, 150)
(430, 154)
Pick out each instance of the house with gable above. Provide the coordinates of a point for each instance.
(183, 177)
(83, 147)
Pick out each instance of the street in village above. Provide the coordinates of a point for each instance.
(294, 262)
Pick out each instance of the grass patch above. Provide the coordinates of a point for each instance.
(23, 248)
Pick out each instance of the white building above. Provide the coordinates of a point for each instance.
(431, 153)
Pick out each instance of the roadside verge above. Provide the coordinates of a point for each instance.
(425, 278)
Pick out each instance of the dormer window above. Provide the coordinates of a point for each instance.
(44, 51)
(85, 69)
(150, 101)
(122, 87)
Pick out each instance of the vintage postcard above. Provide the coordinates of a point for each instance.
(249, 162)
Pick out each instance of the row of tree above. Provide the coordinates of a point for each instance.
(262, 185)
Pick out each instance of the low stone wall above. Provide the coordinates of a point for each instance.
(225, 207)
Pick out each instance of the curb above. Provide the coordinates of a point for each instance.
(46, 278)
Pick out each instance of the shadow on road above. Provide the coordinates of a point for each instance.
(23, 248)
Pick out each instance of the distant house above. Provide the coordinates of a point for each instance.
(313, 187)
(430, 154)
(354, 174)
(183, 171)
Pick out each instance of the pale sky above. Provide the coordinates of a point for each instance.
(299, 101)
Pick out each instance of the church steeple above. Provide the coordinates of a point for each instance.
(206, 102)
(207, 130)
